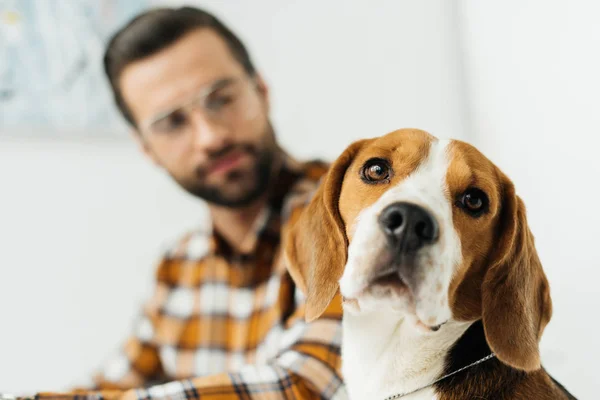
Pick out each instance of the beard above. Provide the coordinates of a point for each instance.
(238, 188)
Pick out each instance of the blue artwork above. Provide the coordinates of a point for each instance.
(51, 74)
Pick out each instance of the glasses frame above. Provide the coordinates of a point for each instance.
(199, 100)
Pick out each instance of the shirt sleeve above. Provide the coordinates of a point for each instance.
(306, 367)
(137, 363)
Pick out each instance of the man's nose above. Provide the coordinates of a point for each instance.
(408, 227)
(207, 133)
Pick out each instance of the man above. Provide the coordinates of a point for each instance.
(225, 320)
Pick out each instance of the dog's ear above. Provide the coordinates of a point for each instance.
(516, 301)
(316, 246)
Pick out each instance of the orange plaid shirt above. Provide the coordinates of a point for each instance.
(223, 325)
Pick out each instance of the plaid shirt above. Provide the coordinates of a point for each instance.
(223, 325)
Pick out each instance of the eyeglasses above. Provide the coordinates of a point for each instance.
(223, 102)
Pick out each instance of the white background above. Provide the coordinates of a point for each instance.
(83, 222)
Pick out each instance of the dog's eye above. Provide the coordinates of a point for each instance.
(376, 170)
(474, 201)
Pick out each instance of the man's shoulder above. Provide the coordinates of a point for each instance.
(192, 245)
(179, 256)
(311, 173)
(314, 170)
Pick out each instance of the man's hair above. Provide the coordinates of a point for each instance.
(154, 30)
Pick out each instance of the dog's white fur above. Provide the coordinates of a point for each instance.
(386, 347)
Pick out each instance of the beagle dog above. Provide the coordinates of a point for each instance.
(443, 292)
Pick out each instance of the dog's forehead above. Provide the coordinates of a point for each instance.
(407, 146)
(409, 149)
(451, 166)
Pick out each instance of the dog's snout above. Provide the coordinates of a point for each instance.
(408, 226)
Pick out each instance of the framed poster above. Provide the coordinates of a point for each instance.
(51, 75)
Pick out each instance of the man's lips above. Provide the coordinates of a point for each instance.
(228, 162)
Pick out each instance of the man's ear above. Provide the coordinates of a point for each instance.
(516, 302)
(263, 90)
(316, 246)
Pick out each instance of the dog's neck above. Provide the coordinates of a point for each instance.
(386, 355)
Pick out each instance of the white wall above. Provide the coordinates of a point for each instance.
(82, 227)
(81, 223)
(340, 74)
(533, 69)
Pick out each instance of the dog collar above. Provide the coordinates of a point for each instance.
(399, 395)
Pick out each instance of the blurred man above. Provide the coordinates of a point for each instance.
(225, 320)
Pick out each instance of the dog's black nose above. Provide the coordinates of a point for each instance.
(408, 227)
